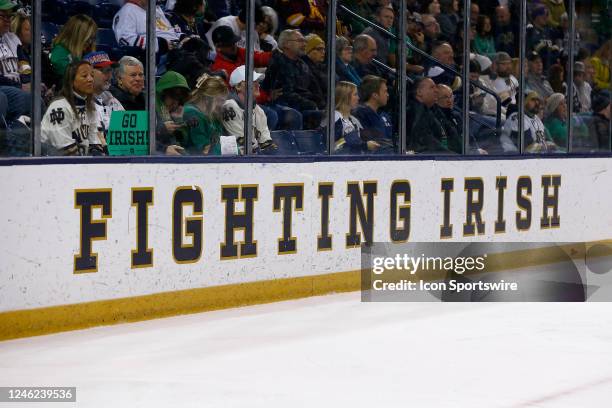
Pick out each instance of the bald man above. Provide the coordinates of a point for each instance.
(444, 53)
(365, 50)
(506, 31)
(426, 133)
(452, 122)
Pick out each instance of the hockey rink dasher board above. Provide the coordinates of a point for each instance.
(100, 243)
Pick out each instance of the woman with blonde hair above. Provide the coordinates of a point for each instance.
(20, 25)
(203, 116)
(348, 127)
(76, 38)
(601, 63)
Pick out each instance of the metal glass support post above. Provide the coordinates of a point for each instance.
(401, 67)
(465, 76)
(521, 91)
(331, 74)
(570, 73)
(249, 65)
(36, 21)
(151, 38)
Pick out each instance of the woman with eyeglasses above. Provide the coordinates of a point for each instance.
(76, 38)
(344, 56)
(315, 59)
(20, 25)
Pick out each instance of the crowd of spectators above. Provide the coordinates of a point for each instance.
(200, 81)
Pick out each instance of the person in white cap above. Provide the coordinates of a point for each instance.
(233, 112)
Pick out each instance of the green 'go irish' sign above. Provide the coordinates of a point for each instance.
(128, 133)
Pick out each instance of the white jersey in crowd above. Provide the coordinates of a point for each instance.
(130, 26)
(349, 124)
(506, 87)
(232, 22)
(582, 94)
(535, 132)
(106, 104)
(489, 103)
(233, 121)
(61, 127)
(9, 62)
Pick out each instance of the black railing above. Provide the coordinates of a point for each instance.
(430, 58)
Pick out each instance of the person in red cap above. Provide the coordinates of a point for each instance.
(104, 100)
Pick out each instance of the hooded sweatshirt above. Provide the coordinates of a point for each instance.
(167, 81)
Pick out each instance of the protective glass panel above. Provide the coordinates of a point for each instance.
(591, 83)
(93, 71)
(15, 81)
(435, 103)
(493, 81)
(295, 82)
(366, 90)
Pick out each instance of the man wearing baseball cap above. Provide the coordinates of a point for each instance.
(234, 108)
(536, 139)
(505, 84)
(582, 89)
(535, 79)
(105, 102)
(230, 55)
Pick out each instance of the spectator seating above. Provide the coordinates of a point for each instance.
(285, 142)
(106, 38)
(78, 7)
(52, 11)
(49, 31)
(309, 141)
(104, 13)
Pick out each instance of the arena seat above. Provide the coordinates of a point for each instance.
(49, 31)
(78, 7)
(53, 11)
(104, 13)
(285, 142)
(106, 37)
(309, 141)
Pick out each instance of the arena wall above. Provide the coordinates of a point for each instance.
(46, 285)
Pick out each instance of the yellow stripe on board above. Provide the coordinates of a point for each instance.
(36, 322)
(41, 321)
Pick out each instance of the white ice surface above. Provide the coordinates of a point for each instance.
(333, 351)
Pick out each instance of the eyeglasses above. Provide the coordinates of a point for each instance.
(136, 75)
(321, 49)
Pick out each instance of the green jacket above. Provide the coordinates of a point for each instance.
(60, 59)
(169, 80)
(484, 46)
(202, 131)
(558, 130)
